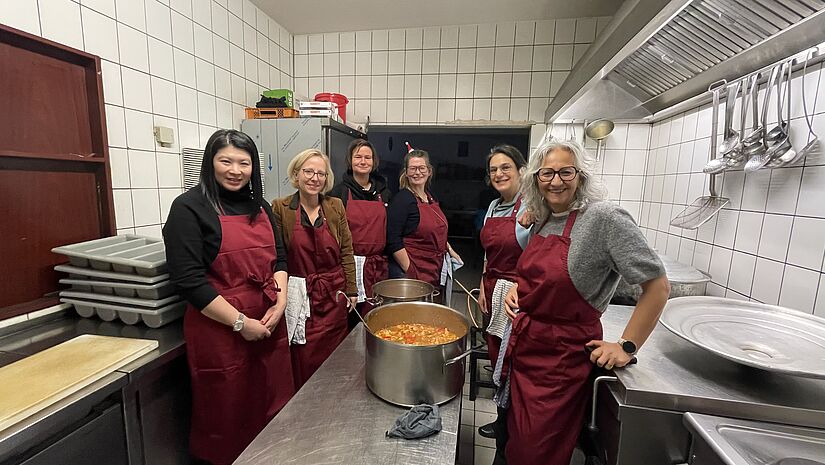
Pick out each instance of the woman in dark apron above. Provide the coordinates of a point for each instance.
(577, 252)
(365, 196)
(227, 260)
(416, 226)
(320, 257)
(503, 240)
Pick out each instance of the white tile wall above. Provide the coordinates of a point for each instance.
(767, 244)
(191, 65)
(496, 71)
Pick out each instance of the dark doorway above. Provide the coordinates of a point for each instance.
(459, 182)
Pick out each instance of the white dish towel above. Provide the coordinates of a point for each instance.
(297, 310)
(359, 277)
(498, 317)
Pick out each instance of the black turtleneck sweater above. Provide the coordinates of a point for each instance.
(193, 237)
(378, 185)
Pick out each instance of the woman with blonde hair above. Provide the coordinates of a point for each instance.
(416, 226)
(319, 260)
(578, 250)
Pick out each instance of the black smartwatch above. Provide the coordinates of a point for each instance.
(628, 346)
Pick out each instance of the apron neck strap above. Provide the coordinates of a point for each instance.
(568, 226)
(516, 206)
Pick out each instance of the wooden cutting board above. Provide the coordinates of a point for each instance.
(40, 380)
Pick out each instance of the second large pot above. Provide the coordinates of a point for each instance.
(410, 375)
(402, 290)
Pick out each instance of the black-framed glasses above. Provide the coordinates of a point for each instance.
(568, 173)
(310, 173)
(417, 169)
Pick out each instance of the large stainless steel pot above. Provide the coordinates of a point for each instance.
(410, 375)
(402, 290)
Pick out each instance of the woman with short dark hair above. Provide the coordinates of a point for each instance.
(365, 196)
(226, 258)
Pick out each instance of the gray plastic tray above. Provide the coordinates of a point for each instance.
(109, 298)
(154, 318)
(142, 291)
(124, 254)
(85, 273)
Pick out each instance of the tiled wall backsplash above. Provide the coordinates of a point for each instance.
(503, 71)
(191, 65)
(768, 244)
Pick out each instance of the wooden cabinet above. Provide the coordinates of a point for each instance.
(55, 184)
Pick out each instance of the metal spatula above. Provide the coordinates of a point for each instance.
(703, 208)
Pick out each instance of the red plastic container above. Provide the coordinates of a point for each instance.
(338, 99)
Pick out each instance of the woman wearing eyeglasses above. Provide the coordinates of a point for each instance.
(416, 226)
(579, 248)
(503, 240)
(319, 254)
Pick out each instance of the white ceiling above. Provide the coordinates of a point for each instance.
(312, 16)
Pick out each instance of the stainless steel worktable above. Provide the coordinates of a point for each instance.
(335, 419)
(673, 374)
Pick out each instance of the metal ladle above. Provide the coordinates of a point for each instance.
(352, 309)
(757, 151)
(729, 149)
(599, 130)
(783, 147)
(813, 139)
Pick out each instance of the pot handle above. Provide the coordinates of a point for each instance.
(435, 293)
(463, 355)
(375, 301)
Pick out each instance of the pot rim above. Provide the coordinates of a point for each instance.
(386, 307)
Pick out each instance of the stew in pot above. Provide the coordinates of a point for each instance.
(417, 334)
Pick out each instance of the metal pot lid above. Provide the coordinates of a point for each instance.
(763, 336)
(679, 272)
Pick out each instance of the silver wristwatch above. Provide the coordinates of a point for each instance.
(238, 325)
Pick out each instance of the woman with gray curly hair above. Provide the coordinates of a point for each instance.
(580, 246)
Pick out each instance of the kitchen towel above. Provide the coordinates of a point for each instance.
(498, 317)
(419, 422)
(297, 310)
(359, 277)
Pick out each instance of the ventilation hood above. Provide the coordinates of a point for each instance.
(655, 54)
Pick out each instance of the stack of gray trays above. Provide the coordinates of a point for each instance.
(120, 277)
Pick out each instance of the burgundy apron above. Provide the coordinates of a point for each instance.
(427, 245)
(237, 385)
(498, 238)
(368, 223)
(549, 367)
(314, 254)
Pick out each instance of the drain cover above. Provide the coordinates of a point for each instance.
(797, 461)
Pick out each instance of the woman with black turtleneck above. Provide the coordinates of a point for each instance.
(226, 257)
(365, 196)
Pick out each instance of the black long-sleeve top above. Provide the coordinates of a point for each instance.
(192, 235)
(402, 219)
(378, 186)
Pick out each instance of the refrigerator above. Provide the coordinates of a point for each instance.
(279, 140)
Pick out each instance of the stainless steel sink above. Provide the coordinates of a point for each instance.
(740, 442)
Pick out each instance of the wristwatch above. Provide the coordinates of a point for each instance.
(628, 346)
(238, 325)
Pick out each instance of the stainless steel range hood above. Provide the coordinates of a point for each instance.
(656, 54)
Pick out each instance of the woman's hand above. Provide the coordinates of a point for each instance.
(608, 355)
(455, 254)
(482, 300)
(527, 218)
(352, 301)
(511, 302)
(273, 316)
(254, 330)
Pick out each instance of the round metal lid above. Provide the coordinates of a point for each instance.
(763, 336)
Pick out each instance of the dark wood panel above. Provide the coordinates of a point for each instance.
(41, 210)
(45, 104)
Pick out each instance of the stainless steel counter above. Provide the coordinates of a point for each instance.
(673, 374)
(335, 419)
(33, 338)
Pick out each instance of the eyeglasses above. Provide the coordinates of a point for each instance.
(503, 169)
(417, 169)
(309, 174)
(568, 173)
